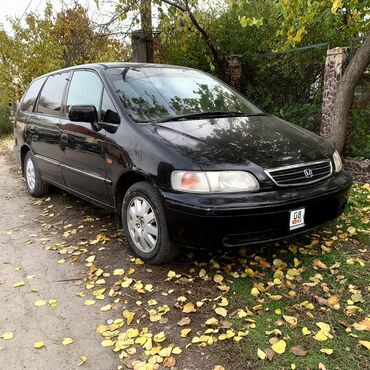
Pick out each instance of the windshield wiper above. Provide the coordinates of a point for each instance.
(215, 114)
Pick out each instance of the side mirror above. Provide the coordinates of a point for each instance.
(83, 113)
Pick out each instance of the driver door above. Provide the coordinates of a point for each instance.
(83, 159)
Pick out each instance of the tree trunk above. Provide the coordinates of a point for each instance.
(344, 97)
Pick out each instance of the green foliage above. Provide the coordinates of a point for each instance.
(361, 134)
(305, 115)
(6, 124)
(347, 18)
(44, 44)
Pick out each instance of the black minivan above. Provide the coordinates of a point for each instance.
(181, 157)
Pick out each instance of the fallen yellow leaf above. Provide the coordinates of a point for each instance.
(321, 336)
(317, 263)
(184, 332)
(221, 311)
(218, 278)
(306, 331)
(333, 300)
(188, 308)
(328, 351)
(90, 259)
(83, 360)
(67, 341)
(89, 302)
(107, 343)
(19, 284)
(128, 315)
(40, 303)
(261, 355)
(7, 336)
(365, 343)
(291, 320)
(351, 230)
(176, 350)
(118, 272)
(160, 337)
(279, 346)
(165, 352)
(212, 321)
(39, 345)
(106, 308)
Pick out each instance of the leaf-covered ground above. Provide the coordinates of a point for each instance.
(302, 303)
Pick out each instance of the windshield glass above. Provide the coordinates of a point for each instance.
(156, 93)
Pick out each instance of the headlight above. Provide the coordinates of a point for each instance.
(337, 161)
(213, 181)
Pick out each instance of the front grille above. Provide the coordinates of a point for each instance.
(300, 174)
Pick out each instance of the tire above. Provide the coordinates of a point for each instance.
(144, 224)
(36, 186)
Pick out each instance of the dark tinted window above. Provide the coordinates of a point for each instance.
(50, 100)
(30, 96)
(85, 89)
(154, 93)
(108, 111)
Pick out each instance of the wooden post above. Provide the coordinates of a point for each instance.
(142, 40)
(233, 71)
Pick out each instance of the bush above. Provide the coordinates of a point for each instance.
(360, 145)
(305, 115)
(6, 124)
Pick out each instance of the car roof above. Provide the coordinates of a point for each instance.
(102, 66)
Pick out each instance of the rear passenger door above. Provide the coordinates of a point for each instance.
(84, 167)
(43, 128)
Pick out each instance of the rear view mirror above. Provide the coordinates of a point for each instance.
(83, 113)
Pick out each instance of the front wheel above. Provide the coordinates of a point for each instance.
(145, 225)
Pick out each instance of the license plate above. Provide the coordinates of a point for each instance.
(296, 219)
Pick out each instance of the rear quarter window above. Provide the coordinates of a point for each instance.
(50, 100)
(30, 96)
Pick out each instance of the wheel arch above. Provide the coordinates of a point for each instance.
(124, 182)
(24, 150)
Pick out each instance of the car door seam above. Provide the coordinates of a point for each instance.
(86, 173)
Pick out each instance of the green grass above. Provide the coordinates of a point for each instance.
(347, 352)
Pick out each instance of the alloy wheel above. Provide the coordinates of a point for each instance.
(30, 175)
(142, 224)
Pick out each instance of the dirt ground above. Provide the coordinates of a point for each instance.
(23, 258)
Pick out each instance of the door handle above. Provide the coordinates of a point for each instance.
(64, 138)
(33, 130)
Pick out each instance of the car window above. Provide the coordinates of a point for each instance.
(155, 93)
(108, 112)
(85, 89)
(50, 101)
(31, 94)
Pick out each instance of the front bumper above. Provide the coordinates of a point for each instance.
(231, 220)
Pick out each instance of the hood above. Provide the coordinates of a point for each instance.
(236, 142)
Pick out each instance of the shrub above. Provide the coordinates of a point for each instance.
(6, 124)
(305, 115)
(360, 145)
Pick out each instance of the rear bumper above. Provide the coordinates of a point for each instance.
(17, 154)
(206, 221)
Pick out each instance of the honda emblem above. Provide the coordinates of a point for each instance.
(308, 173)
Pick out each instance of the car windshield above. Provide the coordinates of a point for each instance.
(153, 94)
